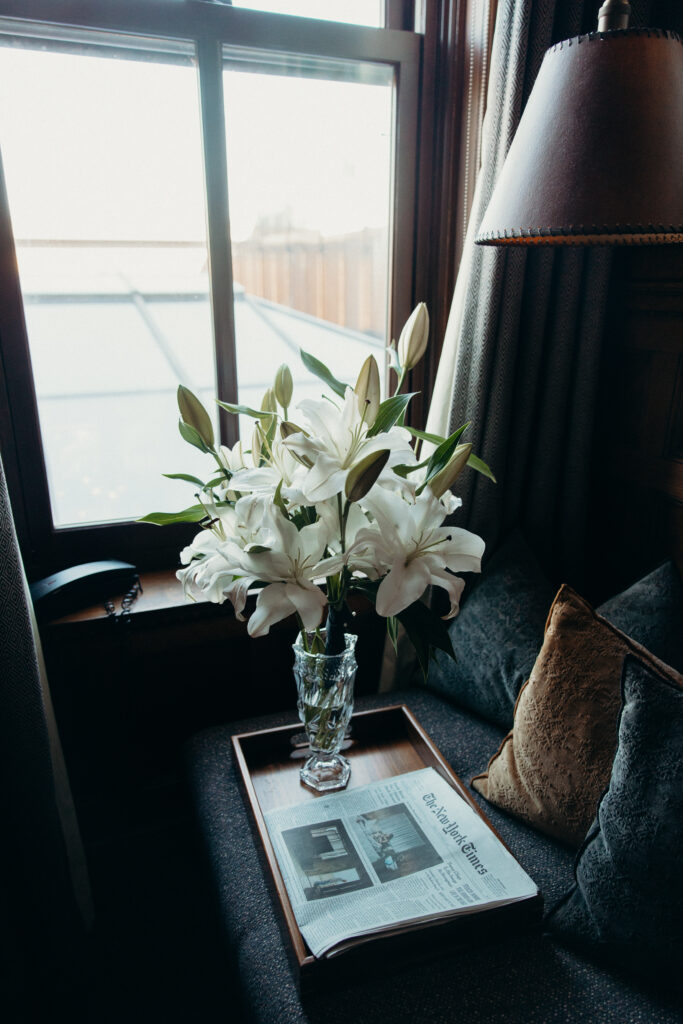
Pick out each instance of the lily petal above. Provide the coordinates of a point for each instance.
(308, 602)
(402, 585)
(272, 605)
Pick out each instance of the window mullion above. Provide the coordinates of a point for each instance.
(210, 58)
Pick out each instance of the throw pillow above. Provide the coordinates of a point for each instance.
(496, 636)
(651, 612)
(555, 762)
(626, 903)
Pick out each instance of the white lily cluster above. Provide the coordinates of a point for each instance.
(336, 502)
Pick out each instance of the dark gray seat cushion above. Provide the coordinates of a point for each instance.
(527, 978)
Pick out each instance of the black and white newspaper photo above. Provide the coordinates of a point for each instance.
(390, 855)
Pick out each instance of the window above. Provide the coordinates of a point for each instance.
(191, 193)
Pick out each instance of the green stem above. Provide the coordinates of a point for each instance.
(401, 380)
(304, 635)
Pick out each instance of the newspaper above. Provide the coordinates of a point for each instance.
(390, 856)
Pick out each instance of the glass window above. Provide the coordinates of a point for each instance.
(117, 136)
(103, 166)
(309, 174)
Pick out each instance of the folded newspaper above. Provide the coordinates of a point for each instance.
(391, 856)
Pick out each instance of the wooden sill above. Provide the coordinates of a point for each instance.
(161, 591)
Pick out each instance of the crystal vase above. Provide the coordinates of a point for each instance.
(325, 700)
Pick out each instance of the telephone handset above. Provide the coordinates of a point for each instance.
(80, 586)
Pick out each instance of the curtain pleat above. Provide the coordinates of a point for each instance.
(522, 349)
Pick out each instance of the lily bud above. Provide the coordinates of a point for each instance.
(195, 415)
(287, 428)
(445, 479)
(367, 390)
(256, 446)
(363, 475)
(413, 340)
(268, 404)
(283, 386)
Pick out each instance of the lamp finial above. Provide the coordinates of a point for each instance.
(614, 14)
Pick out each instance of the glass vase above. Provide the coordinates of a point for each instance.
(324, 685)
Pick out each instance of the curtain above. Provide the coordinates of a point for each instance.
(521, 355)
(41, 925)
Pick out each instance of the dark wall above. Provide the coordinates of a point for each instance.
(637, 512)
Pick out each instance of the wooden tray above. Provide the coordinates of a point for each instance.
(384, 743)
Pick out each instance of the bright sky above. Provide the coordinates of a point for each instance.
(104, 148)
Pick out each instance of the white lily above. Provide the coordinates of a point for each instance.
(278, 554)
(328, 512)
(213, 567)
(409, 544)
(338, 439)
(291, 572)
(232, 459)
(281, 466)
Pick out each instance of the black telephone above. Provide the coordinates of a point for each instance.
(81, 585)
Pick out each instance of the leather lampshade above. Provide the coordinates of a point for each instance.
(598, 155)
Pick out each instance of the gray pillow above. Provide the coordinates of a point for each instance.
(497, 635)
(627, 899)
(651, 612)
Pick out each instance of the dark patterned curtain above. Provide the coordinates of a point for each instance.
(522, 351)
(41, 929)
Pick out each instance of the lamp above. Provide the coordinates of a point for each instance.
(598, 155)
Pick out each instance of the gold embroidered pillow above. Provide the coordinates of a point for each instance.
(553, 766)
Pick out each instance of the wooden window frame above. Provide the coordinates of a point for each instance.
(208, 27)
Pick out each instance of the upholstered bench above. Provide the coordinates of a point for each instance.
(586, 789)
(527, 978)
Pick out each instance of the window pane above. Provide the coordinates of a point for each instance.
(103, 164)
(352, 12)
(309, 172)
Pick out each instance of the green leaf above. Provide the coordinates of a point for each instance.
(195, 415)
(403, 470)
(192, 436)
(186, 477)
(441, 456)
(245, 410)
(217, 480)
(390, 411)
(256, 549)
(368, 588)
(193, 514)
(476, 463)
(319, 369)
(279, 500)
(392, 631)
(426, 631)
(432, 438)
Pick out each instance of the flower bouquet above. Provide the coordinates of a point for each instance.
(336, 501)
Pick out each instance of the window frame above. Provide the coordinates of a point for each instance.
(208, 27)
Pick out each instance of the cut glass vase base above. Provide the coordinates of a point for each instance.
(325, 772)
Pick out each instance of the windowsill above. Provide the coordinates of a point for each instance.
(161, 592)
